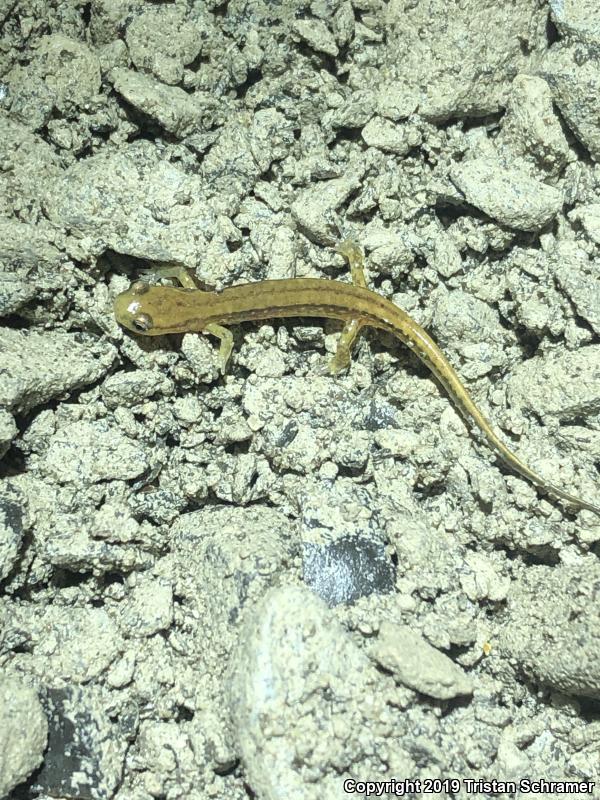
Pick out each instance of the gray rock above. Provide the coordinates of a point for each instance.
(64, 74)
(32, 162)
(564, 385)
(76, 643)
(551, 632)
(106, 540)
(317, 35)
(37, 367)
(224, 558)
(343, 547)
(23, 733)
(347, 569)
(575, 85)
(11, 530)
(89, 452)
(8, 430)
(242, 153)
(579, 277)
(131, 388)
(84, 759)
(169, 106)
(315, 208)
(509, 196)
(588, 215)
(577, 20)
(391, 137)
(305, 699)
(413, 662)
(122, 200)
(531, 127)
(15, 291)
(453, 67)
(26, 245)
(162, 40)
(225, 555)
(148, 607)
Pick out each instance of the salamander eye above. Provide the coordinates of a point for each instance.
(139, 287)
(142, 322)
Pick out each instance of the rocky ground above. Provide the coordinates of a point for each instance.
(279, 583)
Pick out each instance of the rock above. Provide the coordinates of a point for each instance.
(413, 662)
(305, 700)
(39, 366)
(509, 196)
(23, 733)
(551, 632)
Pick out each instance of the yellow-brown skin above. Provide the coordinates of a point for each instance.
(157, 310)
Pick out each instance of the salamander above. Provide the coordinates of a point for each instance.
(154, 310)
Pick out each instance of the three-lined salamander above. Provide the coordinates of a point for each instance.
(154, 310)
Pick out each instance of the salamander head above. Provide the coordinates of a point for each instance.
(153, 310)
(133, 309)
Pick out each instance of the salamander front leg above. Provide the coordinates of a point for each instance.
(225, 338)
(353, 255)
(176, 272)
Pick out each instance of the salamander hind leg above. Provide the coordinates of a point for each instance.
(225, 338)
(342, 357)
